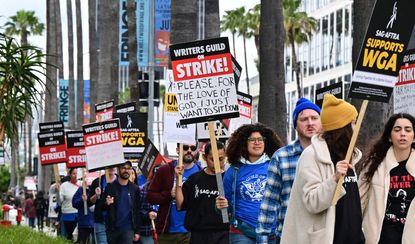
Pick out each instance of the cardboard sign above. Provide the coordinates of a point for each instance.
(103, 144)
(204, 82)
(245, 112)
(75, 149)
(335, 89)
(51, 126)
(404, 92)
(383, 48)
(126, 108)
(103, 111)
(148, 161)
(133, 132)
(221, 130)
(52, 147)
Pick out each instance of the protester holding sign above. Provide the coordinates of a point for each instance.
(311, 217)
(197, 197)
(162, 191)
(282, 168)
(66, 193)
(249, 151)
(387, 185)
(85, 221)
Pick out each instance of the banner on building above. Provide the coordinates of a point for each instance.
(143, 31)
(103, 111)
(204, 82)
(161, 32)
(103, 144)
(52, 147)
(87, 101)
(75, 149)
(123, 39)
(133, 132)
(63, 108)
(382, 52)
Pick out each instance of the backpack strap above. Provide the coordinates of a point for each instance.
(234, 221)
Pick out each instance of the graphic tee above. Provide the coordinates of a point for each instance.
(401, 193)
(200, 192)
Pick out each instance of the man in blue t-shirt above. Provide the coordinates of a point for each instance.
(170, 222)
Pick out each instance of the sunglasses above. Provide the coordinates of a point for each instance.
(192, 148)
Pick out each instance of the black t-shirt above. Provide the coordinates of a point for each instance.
(348, 226)
(401, 193)
(200, 191)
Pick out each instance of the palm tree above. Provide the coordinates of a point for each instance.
(253, 19)
(23, 24)
(299, 27)
(229, 23)
(93, 56)
(79, 68)
(72, 115)
(272, 109)
(242, 28)
(21, 71)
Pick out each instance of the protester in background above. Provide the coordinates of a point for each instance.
(30, 210)
(69, 213)
(122, 200)
(85, 221)
(281, 170)
(95, 197)
(53, 201)
(162, 191)
(311, 217)
(41, 207)
(249, 150)
(197, 197)
(387, 185)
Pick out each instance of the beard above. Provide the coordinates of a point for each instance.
(188, 158)
(125, 176)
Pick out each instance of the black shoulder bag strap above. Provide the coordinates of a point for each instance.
(234, 221)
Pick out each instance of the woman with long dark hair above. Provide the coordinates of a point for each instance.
(249, 151)
(310, 217)
(387, 185)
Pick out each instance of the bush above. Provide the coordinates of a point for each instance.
(23, 235)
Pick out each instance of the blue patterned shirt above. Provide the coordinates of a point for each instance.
(280, 178)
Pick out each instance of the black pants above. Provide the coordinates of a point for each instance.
(84, 234)
(120, 236)
(209, 236)
(69, 228)
(40, 217)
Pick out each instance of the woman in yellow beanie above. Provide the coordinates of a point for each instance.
(387, 184)
(310, 217)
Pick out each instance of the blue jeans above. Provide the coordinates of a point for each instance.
(242, 239)
(100, 234)
(120, 236)
(146, 239)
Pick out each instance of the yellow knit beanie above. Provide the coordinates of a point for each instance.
(336, 113)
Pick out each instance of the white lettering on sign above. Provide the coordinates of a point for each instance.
(52, 156)
(102, 138)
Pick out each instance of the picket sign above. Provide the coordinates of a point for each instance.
(180, 164)
(84, 191)
(350, 149)
(218, 171)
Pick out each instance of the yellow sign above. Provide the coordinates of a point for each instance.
(170, 103)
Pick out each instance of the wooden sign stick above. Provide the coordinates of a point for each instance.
(84, 191)
(218, 170)
(56, 173)
(107, 175)
(350, 149)
(180, 163)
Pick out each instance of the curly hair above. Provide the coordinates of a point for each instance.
(379, 149)
(237, 144)
(338, 142)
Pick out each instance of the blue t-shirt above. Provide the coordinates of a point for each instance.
(123, 206)
(250, 188)
(176, 217)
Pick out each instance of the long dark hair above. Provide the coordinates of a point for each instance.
(379, 149)
(338, 142)
(237, 145)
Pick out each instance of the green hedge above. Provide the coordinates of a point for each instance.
(23, 235)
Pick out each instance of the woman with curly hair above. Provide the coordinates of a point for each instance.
(249, 150)
(387, 185)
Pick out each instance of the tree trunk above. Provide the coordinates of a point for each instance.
(272, 109)
(59, 49)
(296, 69)
(14, 161)
(212, 20)
(246, 67)
(183, 21)
(132, 51)
(80, 67)
(114, 47)
(72, 97)
(377, 112)
(93, 57)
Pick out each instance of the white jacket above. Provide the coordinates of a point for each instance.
(67, 190)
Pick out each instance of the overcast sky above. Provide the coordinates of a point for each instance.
(9, 8)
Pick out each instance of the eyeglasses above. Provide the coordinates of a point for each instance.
(260, 139)
(192, 148)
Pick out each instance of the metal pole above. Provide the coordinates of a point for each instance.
(201, 20)
(150, 99)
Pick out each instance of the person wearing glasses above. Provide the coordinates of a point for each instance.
(281, 171)
(162, 191)
(249, 150)
(122, 202)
